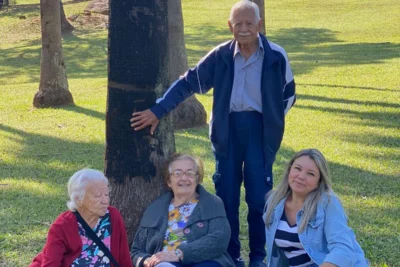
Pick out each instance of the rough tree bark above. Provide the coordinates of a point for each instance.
(66, 27)
(261, 6)
(53, 87)
(138, 74)
(191, 112)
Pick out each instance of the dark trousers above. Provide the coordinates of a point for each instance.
(200, 264)
(245, 162)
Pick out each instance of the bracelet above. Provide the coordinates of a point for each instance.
(141, 263)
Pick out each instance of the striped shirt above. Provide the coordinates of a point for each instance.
(287, 239)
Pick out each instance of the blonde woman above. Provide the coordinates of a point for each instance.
(306, 224)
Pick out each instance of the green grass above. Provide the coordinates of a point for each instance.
(346, 59)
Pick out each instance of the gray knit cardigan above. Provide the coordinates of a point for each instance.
(207, 231)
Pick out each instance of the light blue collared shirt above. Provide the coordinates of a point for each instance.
(246, 89)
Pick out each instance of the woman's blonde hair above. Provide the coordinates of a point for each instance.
(283, 190)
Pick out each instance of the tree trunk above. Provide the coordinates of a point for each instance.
(138, 74)
(191, 112)
(261, 6)
(53, 87)
(66, 27)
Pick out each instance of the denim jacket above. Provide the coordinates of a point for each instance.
(326, 238)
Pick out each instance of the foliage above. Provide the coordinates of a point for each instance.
(346, 67)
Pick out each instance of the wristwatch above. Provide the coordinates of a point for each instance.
(179, 254)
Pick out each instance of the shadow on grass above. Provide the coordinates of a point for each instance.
(346, 180)
(85, 55)
(308, 48)
(28, 10)
(85, 111)
(348, 87)
(49, 159)
(373, 140)
(15, 11)
(374, 230)
(312, 47)
(371, 118)
(348, 101)
(85, 51)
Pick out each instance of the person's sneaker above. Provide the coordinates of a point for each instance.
(239, 262)
(257, 264)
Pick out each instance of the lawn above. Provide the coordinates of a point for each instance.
(345, 56)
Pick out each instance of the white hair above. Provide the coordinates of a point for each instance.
(244, 4)
(77, 185)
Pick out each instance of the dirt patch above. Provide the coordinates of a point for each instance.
(89, 21)
(79, 21)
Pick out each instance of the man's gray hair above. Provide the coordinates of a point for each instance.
(77, 185)
(243, 4)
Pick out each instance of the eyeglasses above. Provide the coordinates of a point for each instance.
(180, 173)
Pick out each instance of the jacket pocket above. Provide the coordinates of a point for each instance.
(316, 222)
(216, 178)
(196, 230)
(269, 178)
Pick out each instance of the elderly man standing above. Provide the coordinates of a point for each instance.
(253, 90)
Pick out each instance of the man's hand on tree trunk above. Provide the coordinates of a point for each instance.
(142, 119)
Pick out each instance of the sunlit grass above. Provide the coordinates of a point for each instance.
(346, 68)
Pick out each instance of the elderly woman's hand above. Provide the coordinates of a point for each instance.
(162, 256)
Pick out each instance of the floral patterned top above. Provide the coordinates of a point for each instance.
(177, 220)
(91, 255)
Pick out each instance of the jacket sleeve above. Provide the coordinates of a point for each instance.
(124, 258)
(289, 90)
(338, 235)
(210, 246)
(199, 79)
(54, 249)
(138, 249)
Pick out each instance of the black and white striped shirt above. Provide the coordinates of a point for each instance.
(287, 239)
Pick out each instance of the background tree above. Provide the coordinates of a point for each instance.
(138, 74)
(53, 87)
(191, 112)
(4, 3)
(66, 27)
(261, 6)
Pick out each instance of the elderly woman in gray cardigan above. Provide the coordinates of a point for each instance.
(185, 227)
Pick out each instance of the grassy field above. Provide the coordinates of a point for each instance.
(345, 56)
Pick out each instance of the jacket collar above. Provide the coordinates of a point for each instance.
(269, 55)
(260, 47)
(206, 207)
(280, 207)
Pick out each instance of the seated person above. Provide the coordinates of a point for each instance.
(185, 227)
(306, 224)
(69, 242)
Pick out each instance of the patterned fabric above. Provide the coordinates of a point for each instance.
(177, 220)
(91, 255)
